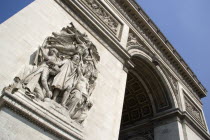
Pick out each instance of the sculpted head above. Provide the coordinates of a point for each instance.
(53, 51)
(93, 77)
(76, 58)
(81, 48)
(87, 75)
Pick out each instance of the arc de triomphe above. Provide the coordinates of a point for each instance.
(94, 70)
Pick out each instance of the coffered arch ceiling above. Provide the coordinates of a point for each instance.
(137, 103)
(153, 82)
(147, 92)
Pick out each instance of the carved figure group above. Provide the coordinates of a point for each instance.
(64, 70)
(132, 40)
(103, 15)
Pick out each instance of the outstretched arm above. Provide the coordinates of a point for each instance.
(57, 63)
(70, 47)
(78, 40)
(63, 34)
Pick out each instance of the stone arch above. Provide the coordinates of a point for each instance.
(148, 93)
(141, 57)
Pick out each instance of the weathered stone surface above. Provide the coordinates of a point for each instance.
(123, 49)
(13, 127)
(170, 129)
(27, 30)
(191, 135)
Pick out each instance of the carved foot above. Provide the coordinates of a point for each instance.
(31, 95)
(47, 100)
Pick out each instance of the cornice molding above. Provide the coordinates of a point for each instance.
(41, 117)
(145, 26)
(182, 116)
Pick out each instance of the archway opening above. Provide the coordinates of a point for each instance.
(146, 95)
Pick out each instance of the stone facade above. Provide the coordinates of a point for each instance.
(94, 70)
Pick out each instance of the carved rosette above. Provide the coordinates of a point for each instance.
(62, 74)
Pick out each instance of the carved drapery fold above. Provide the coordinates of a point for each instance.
(63, 74)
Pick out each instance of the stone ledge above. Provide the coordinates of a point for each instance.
(43, 115)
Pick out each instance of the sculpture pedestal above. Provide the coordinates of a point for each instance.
(49, 117)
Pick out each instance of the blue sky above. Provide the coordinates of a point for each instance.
(10, 7)
(186, 24)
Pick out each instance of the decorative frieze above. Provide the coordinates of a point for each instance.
(63, 74)
(193, 110)
(104, 15)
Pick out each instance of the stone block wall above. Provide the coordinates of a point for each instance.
(23, 33)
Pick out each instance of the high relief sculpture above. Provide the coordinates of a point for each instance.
(104, 15)
(132, 40)
(63, 73)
